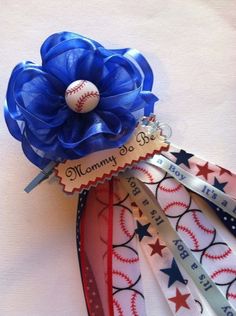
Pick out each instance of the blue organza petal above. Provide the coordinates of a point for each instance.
(51, 148)
(63, 41)
(146, 101)
(38, 97)
(10, 96)
(12, 124)
(103, 141)
(76, 64)
(32, 155)
(121, 75)
(81, 127)
(136, 57)
(120, 100)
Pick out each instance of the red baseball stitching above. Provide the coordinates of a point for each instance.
(122, 275)
(117, 305)
(125, 260)
(145, 172)
(191, 234)
(161, 187)
(175, 203)
(122, 224)
(218, 257)
(80, 102)
(223, 270)
(232, 295)
(133, 305)
(200, 225)
(76, 88)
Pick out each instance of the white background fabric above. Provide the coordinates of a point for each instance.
(191, 46)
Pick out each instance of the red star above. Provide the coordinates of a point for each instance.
(223, 170)
(157, 247)
(179, 300)
(204, 170)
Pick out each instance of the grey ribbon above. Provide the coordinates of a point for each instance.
(206, 190)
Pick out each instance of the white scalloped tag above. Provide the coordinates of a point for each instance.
(76, 175)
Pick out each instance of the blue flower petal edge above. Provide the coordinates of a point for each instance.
(36, 112)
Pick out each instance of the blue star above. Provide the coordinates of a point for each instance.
(182, 157)
(174, 274)
(142, 230)
(219, 185)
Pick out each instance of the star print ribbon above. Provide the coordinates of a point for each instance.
(176, 287)
(217, 176)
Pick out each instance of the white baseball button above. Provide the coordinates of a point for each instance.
(82, 96)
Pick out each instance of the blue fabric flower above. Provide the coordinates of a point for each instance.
(36, 111)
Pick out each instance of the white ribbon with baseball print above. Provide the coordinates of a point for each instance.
(128, 297)
(178, 290)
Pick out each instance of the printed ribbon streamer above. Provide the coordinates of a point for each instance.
(178, 290)
(193, 227)
(201, 187)
(217, 176)
(128, 298)
(108, 254)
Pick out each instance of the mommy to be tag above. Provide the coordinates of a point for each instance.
(76, 175)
